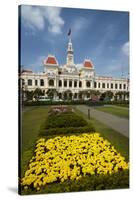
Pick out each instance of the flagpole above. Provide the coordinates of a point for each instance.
(69, 35)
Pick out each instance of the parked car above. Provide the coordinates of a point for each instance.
(43, 98)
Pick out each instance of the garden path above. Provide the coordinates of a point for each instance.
(118, 124)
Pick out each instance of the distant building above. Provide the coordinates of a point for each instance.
(69, 78)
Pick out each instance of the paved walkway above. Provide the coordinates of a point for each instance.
(120, 125)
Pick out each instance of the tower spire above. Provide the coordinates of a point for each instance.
(70, 57)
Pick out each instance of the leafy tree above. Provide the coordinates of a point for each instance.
(52, 93)
(103, 95)
(106, 95)
(83, 93)
(67, 95)
(29, 95)
(122, 95)
(94, 93)
(80, 94)
(37, 93)
(109, 94)
(127, 94)
(118, 95)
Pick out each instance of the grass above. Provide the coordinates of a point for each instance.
(120, 142)
(115, 110)
(123, 105)
(31, 122)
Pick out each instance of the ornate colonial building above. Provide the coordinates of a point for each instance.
(70, 78)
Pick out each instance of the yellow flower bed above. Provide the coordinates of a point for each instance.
(71, 157)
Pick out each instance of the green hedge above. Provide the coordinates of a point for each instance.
(64, 120)
(44, 103)
(89, 103)
(64, 131)
(119, 180)
(65, 123)
(101, 103)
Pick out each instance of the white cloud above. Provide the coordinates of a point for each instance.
(35, 17)
(79, 25)
(125, 48)
(37, 64)
(55, 21)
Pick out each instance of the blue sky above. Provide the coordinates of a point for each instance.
(102, 36)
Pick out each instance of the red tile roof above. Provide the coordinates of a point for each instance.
(51, 60)
(88, 63)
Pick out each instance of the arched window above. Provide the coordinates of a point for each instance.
(51, 82)
(65, 83)
(41, 82)
(36, 82)
(98, 85)
(29, 82)
(103, 85)
(60, 83)
(124, 86)
(75, 83)
(95, 84)
(116, 86)
(111, 85)
(88, 84)
(70, 83)
(80, 83)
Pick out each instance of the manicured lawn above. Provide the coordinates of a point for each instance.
(115, 110)
(120, 142)
(31, 122)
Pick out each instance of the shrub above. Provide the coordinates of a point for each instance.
(44, 103)
(101, 103)
(69, 130)
(65, 123)
(89, 103)
(119, 180)
(64, 120)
